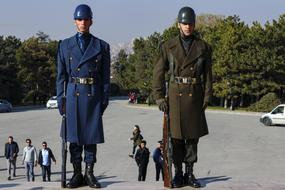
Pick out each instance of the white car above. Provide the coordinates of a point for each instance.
(275, 117)
(52, 103)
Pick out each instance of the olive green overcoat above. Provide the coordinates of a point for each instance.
(187, 116)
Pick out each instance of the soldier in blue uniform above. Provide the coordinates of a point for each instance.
(84, 66)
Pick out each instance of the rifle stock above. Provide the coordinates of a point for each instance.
(167, 153)
(167, 148)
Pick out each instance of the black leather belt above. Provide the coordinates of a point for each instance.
(186, 80)
(78, 80)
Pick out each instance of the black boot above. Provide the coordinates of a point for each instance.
(178, 178)
(189, 178)
(89, 177)
(77, 178)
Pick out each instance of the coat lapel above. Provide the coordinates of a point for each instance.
(177, 52)
(74, 48)
(92, 50)
(194, 52)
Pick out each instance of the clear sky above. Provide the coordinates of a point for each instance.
(121, 20)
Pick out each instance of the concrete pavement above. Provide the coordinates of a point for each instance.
(239, 153)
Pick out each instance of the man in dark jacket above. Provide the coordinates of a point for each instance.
(11, 153)
(83, 64)
(158, 160)
(45, 157)
(187, 60)
(142, 158)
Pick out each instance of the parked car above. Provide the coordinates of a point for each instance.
(5, 106)
(275, 117)
(52, 103)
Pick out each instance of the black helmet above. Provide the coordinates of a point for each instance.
(82, 12)
(186, 15)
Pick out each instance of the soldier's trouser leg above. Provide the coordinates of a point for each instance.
(191, 150)
(90, 152)
(76, 159)
(189, 159)
(177, 157)
(75, 153)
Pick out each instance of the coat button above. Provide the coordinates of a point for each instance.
(190, 94)
(88, 94)
(96, 60)
(78, 69)
(191, 68)
(70, 58)
(77, 93)
(180, 94)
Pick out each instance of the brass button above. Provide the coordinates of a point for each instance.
(191, 68)
(180, 94)
(190, 94)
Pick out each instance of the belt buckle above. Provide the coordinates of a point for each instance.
(82, 80)
(184, 80)
(179, 80)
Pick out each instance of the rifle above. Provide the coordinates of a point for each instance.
(63, 140)
(167, 148)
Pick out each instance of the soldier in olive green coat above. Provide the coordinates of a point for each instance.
(186, 59)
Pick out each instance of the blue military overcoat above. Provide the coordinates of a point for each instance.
(85, 103)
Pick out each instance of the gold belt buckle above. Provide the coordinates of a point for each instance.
(90, 80)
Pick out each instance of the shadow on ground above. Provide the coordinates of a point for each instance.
(206, 180)
(107, 183)
(9, 185)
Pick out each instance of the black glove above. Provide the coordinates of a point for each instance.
(205, 105)
(61, 108)
(162, 105)
(103, 108)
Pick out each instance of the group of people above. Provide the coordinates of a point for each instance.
(30, 159)
(142, 154)
(83, 86)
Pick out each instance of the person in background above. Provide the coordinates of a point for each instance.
(142, 159)
(45, 157)
(11, 154)
(29, 159)
(136, 138)
(158, 160)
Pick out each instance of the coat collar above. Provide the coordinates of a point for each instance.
(91, 51)
(178, 52)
